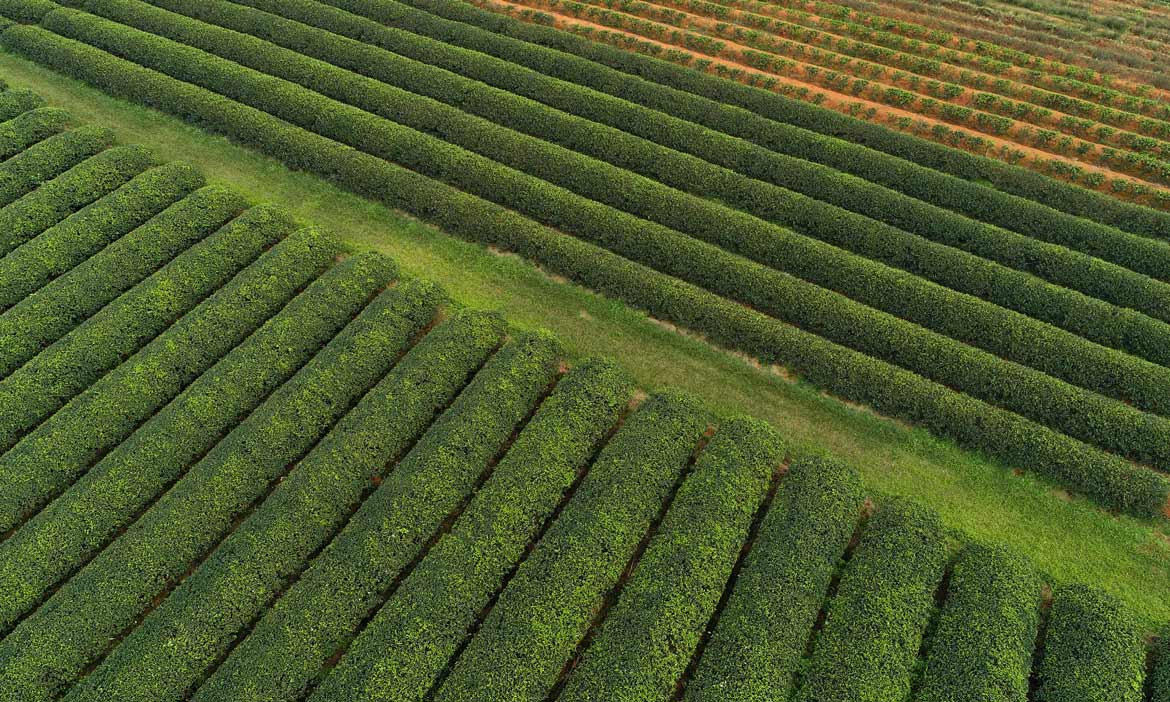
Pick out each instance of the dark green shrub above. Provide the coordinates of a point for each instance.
(1093, 650)
(649, 636)
(982, 648)
(1159, 682)
(900, 294)
(186, 321)
(28, 128)
(539, 619)
(868, 648)
(754, 654)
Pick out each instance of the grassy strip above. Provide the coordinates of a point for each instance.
(43, 385)
(84, 234)
(49, 314)
(215, 605)
(47, 651)
(405, 647)
(28, 128)
(110, 495)
(16, 102)
(1103, 323)
(873, 629)
(1093, 650)
(962, 317)
(851, 375)
(648, 638)
(982, 648)
(58, 451)
(1106, 423)
(77, 187)
(922, 169)
(42, 162)
(538, 620)
(755, 651)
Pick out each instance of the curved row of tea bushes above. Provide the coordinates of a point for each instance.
(958, 316)
(946, 176)
(755, 651)
(50, 457)
(850, 375)
(27, 10)
(539, 619)
(45, 653)
(92, 178)
(649, 636)
(28, 128)
(112, 493)
(1093, 650)
(41, 386)
(982, 646)
(62, 154)
(14, 103)
(404, 647)
(1109, 424)
(179, 641)
(874, 626)
(1017, 290)
(50, 313)
(71, 242)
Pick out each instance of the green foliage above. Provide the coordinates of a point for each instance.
(14, 103)
(754, 653)
(68, 244)
(1109, 424)
(850, 375)
(1093, 650)
(929, 171)
(1102, 323)
(982, 648)
(537, 622)
(30, 127)
(50, 158)
(29, 11)
(73, 189)
(184, 331)
(197, 624)
(649, 636)
(52, 312)
(959, 316)
(405, 646)
(49, 648)
(89, 514)
(868, 649)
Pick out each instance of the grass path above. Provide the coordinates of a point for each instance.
(1069, 538)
